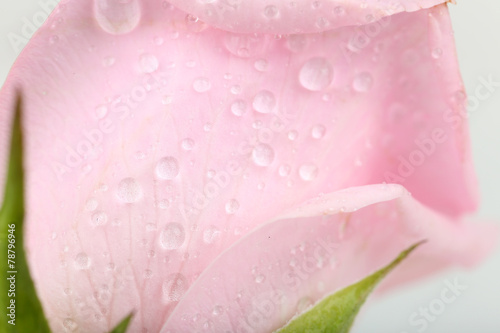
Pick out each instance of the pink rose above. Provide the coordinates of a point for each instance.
(224, 165)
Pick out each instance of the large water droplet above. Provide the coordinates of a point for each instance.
(117, 16)
(148, 63)
(174, 287)
(129, 190)
(173, 236)
(263, 154)
(232, 206)
(239, 107)
(308, 172)
(82, 261)
(167, 168)
(316, 74)
(202, 84)
(362, 82)
(264, 101)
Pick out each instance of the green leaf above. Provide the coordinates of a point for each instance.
(16, 286)
(336, 313)
(122, 327)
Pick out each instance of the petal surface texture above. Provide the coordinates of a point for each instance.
(164, 154)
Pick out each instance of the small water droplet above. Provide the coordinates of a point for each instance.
(284, 170)
(437, 53)
(296, 43)
(263, 155)
(202, 84)
(211, 235)
(362, 82)
(108, 61)
(99, 218)
(91, 205)
(167, 168)
(232, 206)
(318, 131)
(167, 99)
(264, 101)
(187, 144)
(53, 39)
(239, 107)
(101, 111)
(260, 278)
(174, 287)
(245, 45)
(261, 65)
(218, 310)
(82, 261)
(70, 325)
(271, 11)
(172, 236)
(293, 135)
(316, 74)
(308, 172)
(148, 63)
(129, 190)
(158, 40)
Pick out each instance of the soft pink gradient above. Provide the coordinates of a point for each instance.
(189, 173)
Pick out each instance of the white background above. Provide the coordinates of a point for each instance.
(477, 32)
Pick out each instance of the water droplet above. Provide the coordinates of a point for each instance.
(174, 287)
(70, 325)
(108, 61)
(260, 278)
(101, 111)
(218, 310)
(437, 53)
(202, 84)
(362, 82)
(232, 206)
(339, 10)
(293, 135)
(284, 170)
(211, 235)
(91, 205)
(99, 218)
(158, 40)
(129, 190)
(261, 65)
(172, 237)
(167, 99)
(187, 144)
(148, 63)
(239, 107)
(246, 45)
(82, 261)
(263, 154)
(53, 39)
(167, 168)
(308, 172)
(318, 131)
(117, 16)
(235, 90)
(271, 11)
(316, 74)
(264, 101)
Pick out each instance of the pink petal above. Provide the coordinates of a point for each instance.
(291, 17)
(155, 142)
(324, 245)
